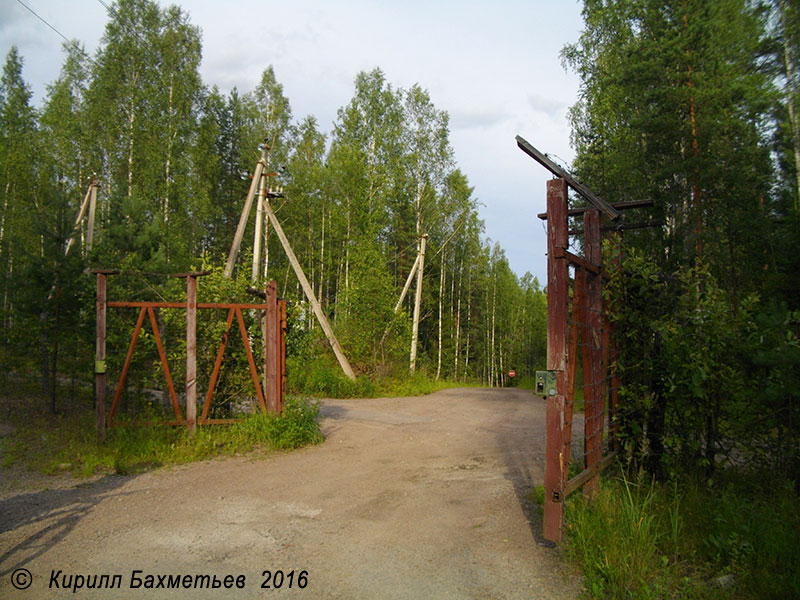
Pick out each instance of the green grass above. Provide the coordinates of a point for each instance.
(639, 539)
(68, 442)
(323, 379)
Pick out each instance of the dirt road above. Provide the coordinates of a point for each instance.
(407, 498)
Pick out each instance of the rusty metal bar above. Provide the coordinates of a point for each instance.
(282, 354)
(592, 364)
(162, 355)
(557, 306)
(251, 361)
(217, 366)
(578, 315)
(127, 365)
(200, 305)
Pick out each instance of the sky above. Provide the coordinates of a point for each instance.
(495, 67)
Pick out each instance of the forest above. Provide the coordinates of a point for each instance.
(173, 157)
(694, 106)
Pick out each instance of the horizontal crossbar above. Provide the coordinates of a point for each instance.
(585, 475)
(216, 305)
(574, 212)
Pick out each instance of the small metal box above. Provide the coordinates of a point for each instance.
(545, 383)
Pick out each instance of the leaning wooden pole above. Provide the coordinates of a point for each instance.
(400, 300)
(309, 292)
(237, 238)
(92, 210)
(557, 306)
(79, 218)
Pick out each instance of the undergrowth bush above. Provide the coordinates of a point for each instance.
(642, 539)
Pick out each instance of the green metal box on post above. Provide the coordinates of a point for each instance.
(545, 383)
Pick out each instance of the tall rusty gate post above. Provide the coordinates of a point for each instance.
(557, 306)
(101, 308)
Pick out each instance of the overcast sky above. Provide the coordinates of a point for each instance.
(493, 66)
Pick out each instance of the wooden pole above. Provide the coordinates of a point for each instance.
(259, 233)
(92, 210)
(557, 306)
(271, 350)
(309, 292)
(406, 286)
(402, 297)
(191, 348)
(417, 303)
(237, 238)
(79, 218)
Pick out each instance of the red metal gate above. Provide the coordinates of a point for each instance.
(273, 318)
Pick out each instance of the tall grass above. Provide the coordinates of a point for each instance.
(69, 443)
(323, 379)
(640, 539)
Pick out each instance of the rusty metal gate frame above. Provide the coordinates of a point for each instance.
(586, 320)
(270, 397)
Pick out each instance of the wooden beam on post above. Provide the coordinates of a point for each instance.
(309, 292)
(557, 307)
(548, 164)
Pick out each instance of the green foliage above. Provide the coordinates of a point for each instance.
(641, 539)
(703, 382)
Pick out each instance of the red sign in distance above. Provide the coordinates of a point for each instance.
(511, 373)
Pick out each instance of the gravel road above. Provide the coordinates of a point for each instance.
(417, 498)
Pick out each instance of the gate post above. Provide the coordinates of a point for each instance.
(271, 347)
(191, 347)
(101, 308)
(557, 306)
